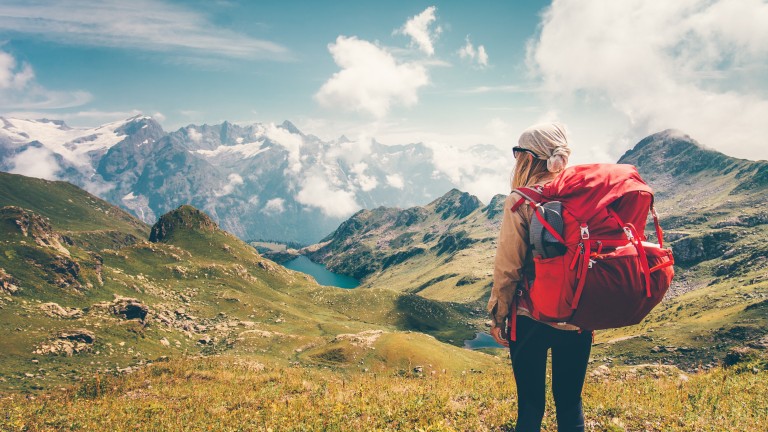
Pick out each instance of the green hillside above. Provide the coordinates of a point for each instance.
(84, 290)
(713, 209)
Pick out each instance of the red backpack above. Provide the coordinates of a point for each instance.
(594, 268)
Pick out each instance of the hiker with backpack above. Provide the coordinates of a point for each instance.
(541, 153)
(572, 257)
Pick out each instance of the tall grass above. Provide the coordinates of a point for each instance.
(237, 395)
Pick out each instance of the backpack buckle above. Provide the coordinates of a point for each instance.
(628, 232)
(584, 232)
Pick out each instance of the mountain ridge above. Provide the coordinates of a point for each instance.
(259, 181)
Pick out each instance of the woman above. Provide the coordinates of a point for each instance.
(542, 152)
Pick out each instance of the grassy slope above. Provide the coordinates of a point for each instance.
(247, 304)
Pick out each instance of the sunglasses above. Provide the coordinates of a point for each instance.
(517, 150)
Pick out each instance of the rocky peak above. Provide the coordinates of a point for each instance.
(456, 204)
(290, 127)
(184, 218)
(141, 124)
(31, 224)
(673, 152)
(495, 207)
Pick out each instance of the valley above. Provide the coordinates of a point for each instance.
(98, 307)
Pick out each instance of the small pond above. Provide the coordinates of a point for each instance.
(481, 340)
(322, 275)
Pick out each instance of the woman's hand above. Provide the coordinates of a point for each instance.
(499, 336)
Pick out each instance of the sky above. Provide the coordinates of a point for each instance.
(450, 74)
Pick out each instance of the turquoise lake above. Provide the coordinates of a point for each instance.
(482, 340)
(322, 275)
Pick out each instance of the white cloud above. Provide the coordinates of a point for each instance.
(274, 206)
(475, 55)
(194, 135)
(396, 181)
(291, 141)
(663, 65)
(148, 25)
(20, 91)
(316, 192)
(234, 181)
(418, 28)
(36, 162)
(353, 150)
(366, 182)
(482, 170)
(370, 80)
(13, 75)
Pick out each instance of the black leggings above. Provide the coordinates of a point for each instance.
(570, 354)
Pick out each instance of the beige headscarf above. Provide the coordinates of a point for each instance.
(549, 141)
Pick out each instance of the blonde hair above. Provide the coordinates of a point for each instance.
(549, 141)
(529, 171)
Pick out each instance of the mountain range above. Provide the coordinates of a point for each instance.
(258, 181)
(713, 208)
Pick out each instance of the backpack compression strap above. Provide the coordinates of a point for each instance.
(533, 197)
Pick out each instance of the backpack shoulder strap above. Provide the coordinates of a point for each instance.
(531, 194)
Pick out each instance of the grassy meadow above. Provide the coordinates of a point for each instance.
(236, 394)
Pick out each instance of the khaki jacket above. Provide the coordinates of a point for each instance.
(513, 256)
(513, 260)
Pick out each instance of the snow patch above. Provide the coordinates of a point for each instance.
(247, 150)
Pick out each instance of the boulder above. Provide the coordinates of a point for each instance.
(8, 284)
(68, 343)
(129, 308)
(54, 310)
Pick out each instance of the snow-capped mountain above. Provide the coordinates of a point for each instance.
(259, 181)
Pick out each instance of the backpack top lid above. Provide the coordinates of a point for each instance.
(585, 190)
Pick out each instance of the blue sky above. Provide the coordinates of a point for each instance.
(449, 73)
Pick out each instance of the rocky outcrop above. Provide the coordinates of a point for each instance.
(54, 310)
(129, 308)
(456, 204)
(495, 207)
(452, 242)
(68, 343)
(8, 284)
(695, 249)
(183, 218)
(64, 271)
(30, 224)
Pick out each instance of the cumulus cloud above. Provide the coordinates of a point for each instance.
(482, 170)
(20, 91)
(316, 192)
(364, 181)
(664, 65)
(36, 162)
(396, 181)
(13, 75)
(274, 206)
(477, 55)
(418, 29)
(371, 80)
(194, 135)
(291, 141)
(234, 181)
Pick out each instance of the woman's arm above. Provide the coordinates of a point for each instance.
(511, 251)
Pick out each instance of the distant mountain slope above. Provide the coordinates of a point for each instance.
(259, 181)
(83, 290)
(440, 251)
(714, 210)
